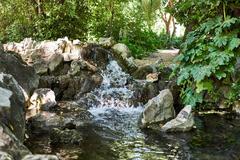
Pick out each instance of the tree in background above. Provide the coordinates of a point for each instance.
(151, 7)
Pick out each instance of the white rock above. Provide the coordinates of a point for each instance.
(183, 122)
(42, 98)
(5, 95)
(40, 157)
(76, 42)
(159, 108)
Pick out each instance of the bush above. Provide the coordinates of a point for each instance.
(208, 59)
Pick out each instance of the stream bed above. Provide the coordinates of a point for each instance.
(114, 133)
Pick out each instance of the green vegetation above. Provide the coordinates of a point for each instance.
(124, 20)
(210, 51)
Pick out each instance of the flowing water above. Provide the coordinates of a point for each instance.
(115, 135)
(116, 120)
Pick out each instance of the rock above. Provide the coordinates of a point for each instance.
(5, 156)
(183, 122)
(41, 67)
(48, 48)
(152, 77)
(123, 55)
(40, 157)
(54, 62)
(10, 63)
(236, 107)
(158, 109)
(66, 136)
(10, 146)
(77, 66)
(42, 99)
(143, 91)
(5, 95)
(106, 42)
(142, 72)
(122, 50)
(13, 113)
(67, 87)
(65, 115)
(68, 45)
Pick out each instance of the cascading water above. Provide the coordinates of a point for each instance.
(116, 118)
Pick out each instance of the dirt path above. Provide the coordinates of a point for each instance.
(165, 56)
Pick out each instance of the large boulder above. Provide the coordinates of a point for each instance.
(158, 110)
(66, 87)
(183, 122)
(10, 146)
(12, 111)
(11, 63)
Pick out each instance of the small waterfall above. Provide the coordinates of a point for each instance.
(116, 118)
(114, 91)
(112, 106)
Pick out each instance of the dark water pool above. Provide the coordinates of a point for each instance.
(114, 135)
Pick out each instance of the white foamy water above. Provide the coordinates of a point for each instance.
(113, 92)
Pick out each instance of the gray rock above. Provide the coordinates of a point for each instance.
(183, 122)
(41, 67)
(10, 63)
(158, 109)
(123, 55)
(66, 87)
(10, 146)
(142, 72)
(122, 50)
(66, 136)
(5, 156)
(12, 115)
(5, 95)
(54, 62)
(66, 114)
(40, 157)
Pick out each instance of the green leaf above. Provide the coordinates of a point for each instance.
(220, 75)
(190, 97)
(200, 72)
(183, 75)
(229, 22)
(204, 85)
(220, 41)
(234, 43)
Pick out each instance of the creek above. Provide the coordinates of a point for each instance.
(114, 133)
